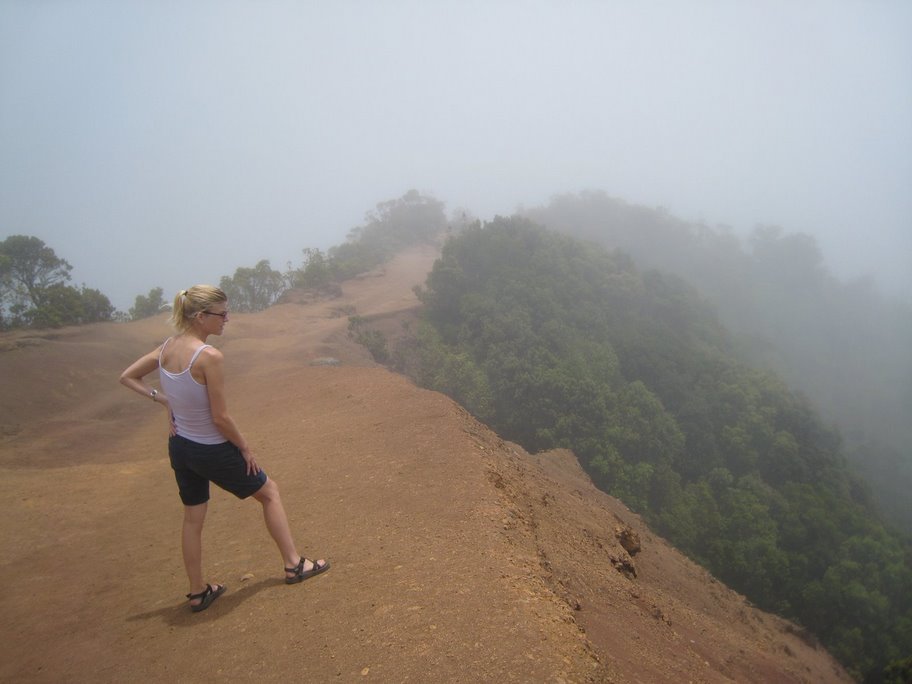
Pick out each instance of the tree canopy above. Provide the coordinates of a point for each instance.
(253, 289)
(33, 289)
(148, 305)
(844, 345)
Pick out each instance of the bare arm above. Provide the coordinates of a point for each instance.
(211, 362)
(133, 377)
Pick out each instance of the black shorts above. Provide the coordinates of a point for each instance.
(196, 465)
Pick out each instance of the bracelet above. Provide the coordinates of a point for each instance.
(153, 394)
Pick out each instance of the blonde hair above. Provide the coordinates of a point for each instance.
(190, 302)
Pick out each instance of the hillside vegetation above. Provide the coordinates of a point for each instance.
(844, 345)
(555, 343)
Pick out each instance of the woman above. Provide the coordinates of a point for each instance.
(205, 444)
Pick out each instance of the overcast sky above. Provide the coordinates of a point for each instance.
(165, 143)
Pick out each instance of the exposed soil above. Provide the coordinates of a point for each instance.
(456, 557)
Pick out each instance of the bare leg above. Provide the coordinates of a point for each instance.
(192, 546)
(277, 524)
(277, 521)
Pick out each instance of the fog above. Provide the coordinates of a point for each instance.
(165, 143)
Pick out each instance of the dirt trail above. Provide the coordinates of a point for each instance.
(456, 556)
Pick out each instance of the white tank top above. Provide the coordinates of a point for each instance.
(189, 402)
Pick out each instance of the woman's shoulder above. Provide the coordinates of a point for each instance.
(207, 351)
(179, 351)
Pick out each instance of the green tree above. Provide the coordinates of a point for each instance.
(642, 430)
(791, 261)
(410, 219)
(28, 268)
(316, 273)
(60, 305)
(6, 293)
(147, 305)
(65, 305)
(444, 370)
(96, 306)
(898, 672)
(33, 289)
(372, 340)
(253, 289)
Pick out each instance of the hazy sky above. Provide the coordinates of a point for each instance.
(164, 143)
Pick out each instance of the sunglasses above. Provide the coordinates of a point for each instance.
(223, 314)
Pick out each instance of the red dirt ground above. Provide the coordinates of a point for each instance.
(456, 556)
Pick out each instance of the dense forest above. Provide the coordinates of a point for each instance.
(844, 345)
(558, 343)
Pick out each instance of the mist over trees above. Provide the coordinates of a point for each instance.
(557, 344)
(409, 220)
(844, 345)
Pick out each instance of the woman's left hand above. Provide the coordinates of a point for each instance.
(172, 428)
(252, 467)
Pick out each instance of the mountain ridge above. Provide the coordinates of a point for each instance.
(455, 555)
